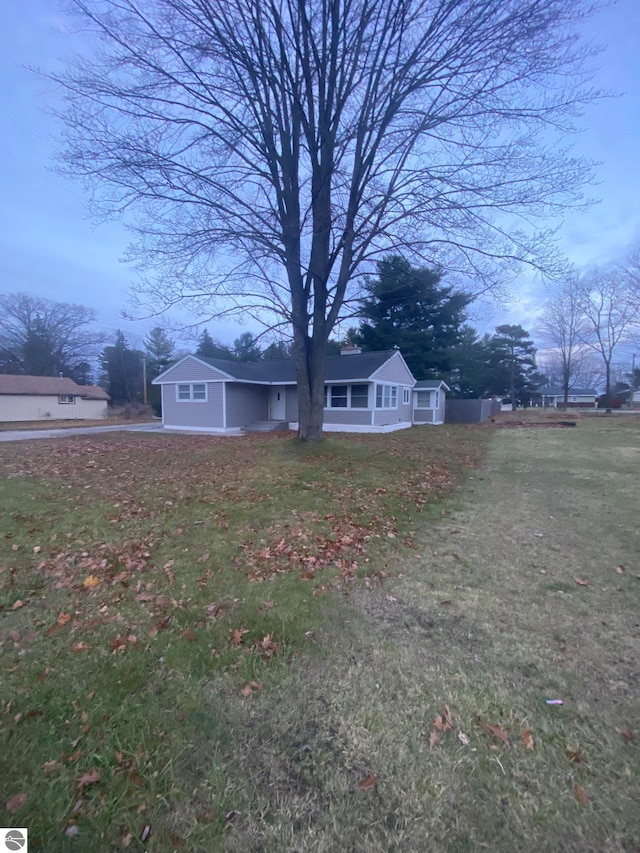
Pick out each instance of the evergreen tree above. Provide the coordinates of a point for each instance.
(159, 349)
(122, 370)
(512, 359)
(246, 348)
(208, 348)
(277, 351)
(408, 307)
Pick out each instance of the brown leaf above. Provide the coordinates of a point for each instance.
(49, 766)
(574, 755)
(527, 739)
(581, 582)
(89, 778)
(237, 634)
(249, 687)
(63, 618)
(80, 647)
(17, 604)
(463, 738)
(581, 795)
(497, 732)
(368, 782)
(433, 740)
(16, 802)
(626, 733)
(91, 582)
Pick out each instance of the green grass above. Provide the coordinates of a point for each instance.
(363, 585)
(148, 580)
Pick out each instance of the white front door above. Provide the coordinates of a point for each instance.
(276, 403)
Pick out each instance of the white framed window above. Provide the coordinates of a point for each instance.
(191, 392)
(424, 400)
(386, 396)
(66, 398)
(346, 396)
(406, 396)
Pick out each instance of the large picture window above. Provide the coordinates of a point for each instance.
(386, 396)
(192, 392)
(346, 396)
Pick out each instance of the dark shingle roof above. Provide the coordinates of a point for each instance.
(338, 368)
(47, 386)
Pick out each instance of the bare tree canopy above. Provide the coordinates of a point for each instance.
(611, 309)
(44, 338)
(274, 148)
(563, 327)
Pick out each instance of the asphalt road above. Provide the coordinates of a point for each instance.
(30, 434)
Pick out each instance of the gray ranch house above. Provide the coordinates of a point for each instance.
(553, 396)
(364, 392)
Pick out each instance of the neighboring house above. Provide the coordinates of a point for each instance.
(553, 396)
(39, 398)
(364, 392)
(429, 397)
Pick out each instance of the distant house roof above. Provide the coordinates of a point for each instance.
(430, 384)
(338, 368)
(557, 391)
(47, 386)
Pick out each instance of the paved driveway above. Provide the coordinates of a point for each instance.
(30, 434)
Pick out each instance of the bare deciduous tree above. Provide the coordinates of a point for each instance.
(611, 311)
(562, 327)
(48, 338)
(272, 149)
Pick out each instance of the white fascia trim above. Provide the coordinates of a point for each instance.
(213, 430)
(428, 423)
(359, 427)
(157, 381)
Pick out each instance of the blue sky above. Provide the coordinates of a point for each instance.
(49, 247)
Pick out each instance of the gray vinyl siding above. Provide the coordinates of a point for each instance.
(192, 370)
(291, 404)
(383, 417)
(347, 416)
(194, 414)
(394, 371)
(246, 404)
(423, 416)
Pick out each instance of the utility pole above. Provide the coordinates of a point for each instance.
(144, 379)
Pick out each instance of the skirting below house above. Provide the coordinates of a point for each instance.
(359, 427)
(212, 430)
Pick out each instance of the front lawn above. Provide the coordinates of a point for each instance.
(157, 591)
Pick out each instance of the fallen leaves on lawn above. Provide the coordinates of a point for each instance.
(16, 802)
(574, 755)
(463, 738)
(581, 582)
(368, 782)
(620, 569)
(236, 636)
(91, 582)
(626, 733)
(581, 795)
(444, 722)
(91, 777)
(433, 739)
(249, 688)
(527, 739)
(498, 733)
(80, 647)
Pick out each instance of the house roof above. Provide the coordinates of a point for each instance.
(430, 384)
(339, 368)
(47, 386)
(557, 391)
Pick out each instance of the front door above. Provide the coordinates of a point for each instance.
(276, 403)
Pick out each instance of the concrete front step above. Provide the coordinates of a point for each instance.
(266, 426)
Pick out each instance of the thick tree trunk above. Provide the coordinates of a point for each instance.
(310, 368)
